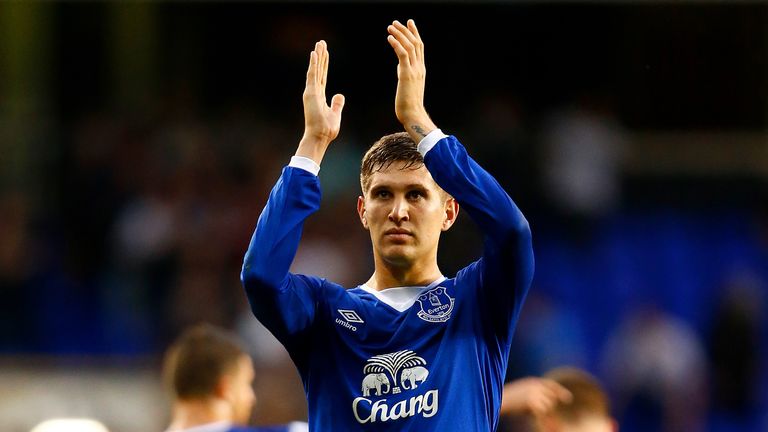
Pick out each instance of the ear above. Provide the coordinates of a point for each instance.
(451, 213)
(361, 211)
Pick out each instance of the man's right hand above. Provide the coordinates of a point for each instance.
(321, 121)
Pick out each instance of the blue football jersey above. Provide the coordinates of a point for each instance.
(422, 358)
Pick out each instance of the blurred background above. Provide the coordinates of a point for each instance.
(139, 141)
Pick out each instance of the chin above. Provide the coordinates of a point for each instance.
(399, 256)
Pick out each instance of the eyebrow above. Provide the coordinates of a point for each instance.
(408, 186)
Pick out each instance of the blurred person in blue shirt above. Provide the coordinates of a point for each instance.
(210, 377)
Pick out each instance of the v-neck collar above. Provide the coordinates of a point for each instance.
(400, 298)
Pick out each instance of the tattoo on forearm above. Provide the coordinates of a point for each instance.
(419, 130)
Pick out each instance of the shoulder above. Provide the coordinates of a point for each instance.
(326, 291)
(471, 274)
(318, 283)
(358, 291)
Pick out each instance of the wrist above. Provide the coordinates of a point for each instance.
(313, 148)
(418, 126)
(412, 114)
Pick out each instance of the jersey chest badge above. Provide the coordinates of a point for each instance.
(436, 305)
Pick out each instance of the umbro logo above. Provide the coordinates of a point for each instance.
(350, 317)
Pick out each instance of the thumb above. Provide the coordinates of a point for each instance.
(337, 103)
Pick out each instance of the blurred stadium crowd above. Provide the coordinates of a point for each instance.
(140, 141)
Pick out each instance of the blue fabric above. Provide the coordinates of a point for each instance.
(439, 365)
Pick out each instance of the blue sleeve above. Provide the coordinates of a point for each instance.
(285, 303)
(505, 270)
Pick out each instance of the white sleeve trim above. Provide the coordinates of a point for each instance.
(305, 163)
(430, 140)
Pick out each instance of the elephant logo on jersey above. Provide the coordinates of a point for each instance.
(375, 381)
(404, 367)
(436, 305)
(407, 372)
(415, 375)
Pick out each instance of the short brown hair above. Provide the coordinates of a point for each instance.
(396, 147)
(197, 360)
(589, 397)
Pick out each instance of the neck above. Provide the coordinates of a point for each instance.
(390, 275)
(191, 413)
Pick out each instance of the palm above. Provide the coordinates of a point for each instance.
(321, 121)
(319, 116)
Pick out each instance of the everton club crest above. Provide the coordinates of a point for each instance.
(436, 305)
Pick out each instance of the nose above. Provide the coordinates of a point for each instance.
(399, 212)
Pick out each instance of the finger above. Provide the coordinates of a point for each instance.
(406, 31)
(414, 30)
(327, 64)
(337, 103)
(402, 54)
(319, 51)
(323, 63)
(404, 41)
(312, 69)
(539, 406)
(402, 34)
(546, 404)
(558, 391)
(420, 44)
(319, 63)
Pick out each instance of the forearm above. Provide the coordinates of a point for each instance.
(275, 240)
(473, 187)
(417, 123)
(312, 147)
(281, 301)
(507, 263)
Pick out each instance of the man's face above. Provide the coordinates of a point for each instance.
(405, 211)
(241, 394)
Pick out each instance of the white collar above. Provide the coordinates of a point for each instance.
(400, 298)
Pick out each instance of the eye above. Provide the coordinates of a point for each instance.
(415, 194)
(381, 193)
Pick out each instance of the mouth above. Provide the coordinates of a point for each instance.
(398, 231)
(398, 235)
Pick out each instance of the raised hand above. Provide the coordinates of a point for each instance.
(411, 79)
(533, 396)
(321, 121)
